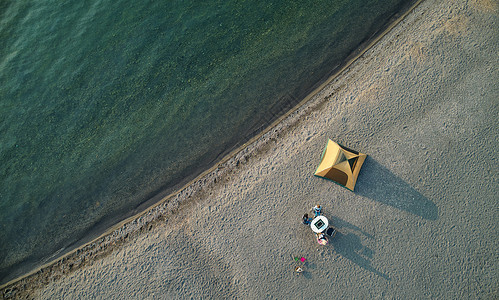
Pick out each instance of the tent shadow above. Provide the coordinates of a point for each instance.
(378, 183)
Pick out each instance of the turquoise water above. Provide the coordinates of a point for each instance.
(105, 104)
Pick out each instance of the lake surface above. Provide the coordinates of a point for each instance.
(105, 104)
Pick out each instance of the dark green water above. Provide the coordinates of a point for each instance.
(105, 104)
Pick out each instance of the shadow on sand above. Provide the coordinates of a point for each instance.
(378, 183)
(348, 244)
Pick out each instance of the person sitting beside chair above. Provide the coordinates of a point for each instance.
(321, 238)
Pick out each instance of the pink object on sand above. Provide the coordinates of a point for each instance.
(302, 259)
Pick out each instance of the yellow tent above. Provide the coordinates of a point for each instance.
(340, 164)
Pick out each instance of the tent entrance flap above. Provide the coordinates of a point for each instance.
(340, 164)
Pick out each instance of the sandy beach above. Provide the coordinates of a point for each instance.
(422, 103)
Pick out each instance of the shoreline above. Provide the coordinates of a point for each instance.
(146, 220)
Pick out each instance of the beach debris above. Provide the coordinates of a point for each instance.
(298, 270)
